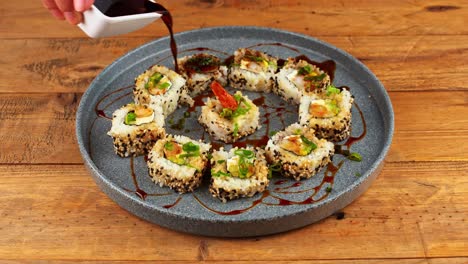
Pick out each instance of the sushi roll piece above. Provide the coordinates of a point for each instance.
(240, 172)
(228, 117)
(200, 70)
(298, 152)
(328, 113)
(252, 70)
(178, 162)
(299, 77)
(159, 86)
(135, 129)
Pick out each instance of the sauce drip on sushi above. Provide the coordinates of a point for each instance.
(202, 63)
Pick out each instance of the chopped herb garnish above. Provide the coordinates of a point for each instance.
(332, 90)
(226, 113)
(186, 114)
(255, 58)
(355, 157)
(130, 118)
(309, 143)
(238, 98)
(328, 189)
(169, 146)
(235, 131)
(209, 156)
(220, 161)
(219, 174)
(305, 70)
(297, 131)
(276, 167)
(316, 78)
(272, 133)
(164, 86)
(244, 153)
(153, 80)
(357, 174)
(190, 147)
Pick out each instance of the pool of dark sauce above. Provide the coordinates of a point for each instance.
(123, 8)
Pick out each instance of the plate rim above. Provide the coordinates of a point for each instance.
(373, 168)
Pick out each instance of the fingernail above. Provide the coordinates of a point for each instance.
(71, 17)
(79, 5)
(57, 14)
(89, 3)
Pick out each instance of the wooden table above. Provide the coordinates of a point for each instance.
(415, 212)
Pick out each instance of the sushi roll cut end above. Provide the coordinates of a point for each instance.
(200, 70)
(178, 162)
(229, 117)
(298, 152)
(300, 77)
(252, 70)
(159, 87)
(135, 129)
(328, 113)
(241, 172)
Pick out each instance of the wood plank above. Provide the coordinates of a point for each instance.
(41, 121)
(413, 210)
(25, 19)
(39, 128)
(402, 63)
(354, 261)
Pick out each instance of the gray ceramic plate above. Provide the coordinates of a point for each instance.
(287, 205)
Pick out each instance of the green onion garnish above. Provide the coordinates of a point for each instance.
(219, 174)
(190, 147)
(169, 146)
(276, 167)
(164, 86)
(332, 90)
(305, 70)
(309, 143)
(328, 189)
(186, 114)
(244, 153)
(315, 78)
(235, 132)
(226, 113)
(220, 161)
(272, 133)
(130, 118)
(357, 174)
(355, 157)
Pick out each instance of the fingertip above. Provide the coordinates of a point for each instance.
(82, 5)
(79, 5)
(72, 17)
(57, 14)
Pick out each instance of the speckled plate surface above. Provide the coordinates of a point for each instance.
(286, 205)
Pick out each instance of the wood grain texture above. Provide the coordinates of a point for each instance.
(66, 217)
(402, 63)
(414, 213)
(340, 261)
(355, 17)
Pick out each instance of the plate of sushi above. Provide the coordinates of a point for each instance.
(250, 131)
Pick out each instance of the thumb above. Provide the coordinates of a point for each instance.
(82, 5)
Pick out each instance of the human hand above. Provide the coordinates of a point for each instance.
(71, 10)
